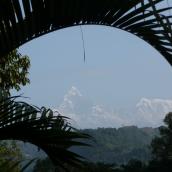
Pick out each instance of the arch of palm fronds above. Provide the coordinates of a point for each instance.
(24, 20)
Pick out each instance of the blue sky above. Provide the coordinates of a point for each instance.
(119, 69)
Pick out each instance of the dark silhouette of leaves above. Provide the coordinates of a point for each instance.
(22, 21)
(42, 127)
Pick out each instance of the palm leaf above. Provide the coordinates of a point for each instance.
(42, 127)
(10, 164)
(22, 21)
(27, 165)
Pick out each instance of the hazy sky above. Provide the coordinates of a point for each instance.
(119, 69)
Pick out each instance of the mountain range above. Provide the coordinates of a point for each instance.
(84, 114)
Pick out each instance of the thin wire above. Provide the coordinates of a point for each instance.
(83, 43)
(142, 4)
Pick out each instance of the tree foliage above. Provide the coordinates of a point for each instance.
(10, 156)
(118, 145)
(162, 145)
(14, 71)
(46, 165)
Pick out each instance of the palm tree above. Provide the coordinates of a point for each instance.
(42, 127)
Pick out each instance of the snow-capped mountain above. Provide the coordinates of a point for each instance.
(153, 111)
(85, 114)
(68, 104)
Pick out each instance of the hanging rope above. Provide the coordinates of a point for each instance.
(83, 43)
(142, 4)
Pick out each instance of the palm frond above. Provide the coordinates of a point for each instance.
(22, 21)
(42, 127)
(11, 164)
(27, 164)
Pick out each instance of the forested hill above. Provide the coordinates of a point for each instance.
(112, 145)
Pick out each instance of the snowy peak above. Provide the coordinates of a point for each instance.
(70, 99)
(97, 109)
(85, 114)
(154, 107)
(153, 111)
(73, 92)
(152, 103)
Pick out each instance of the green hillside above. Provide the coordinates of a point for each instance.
(112, 145)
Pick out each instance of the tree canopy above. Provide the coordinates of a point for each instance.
(13, 71)
(162, 145)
